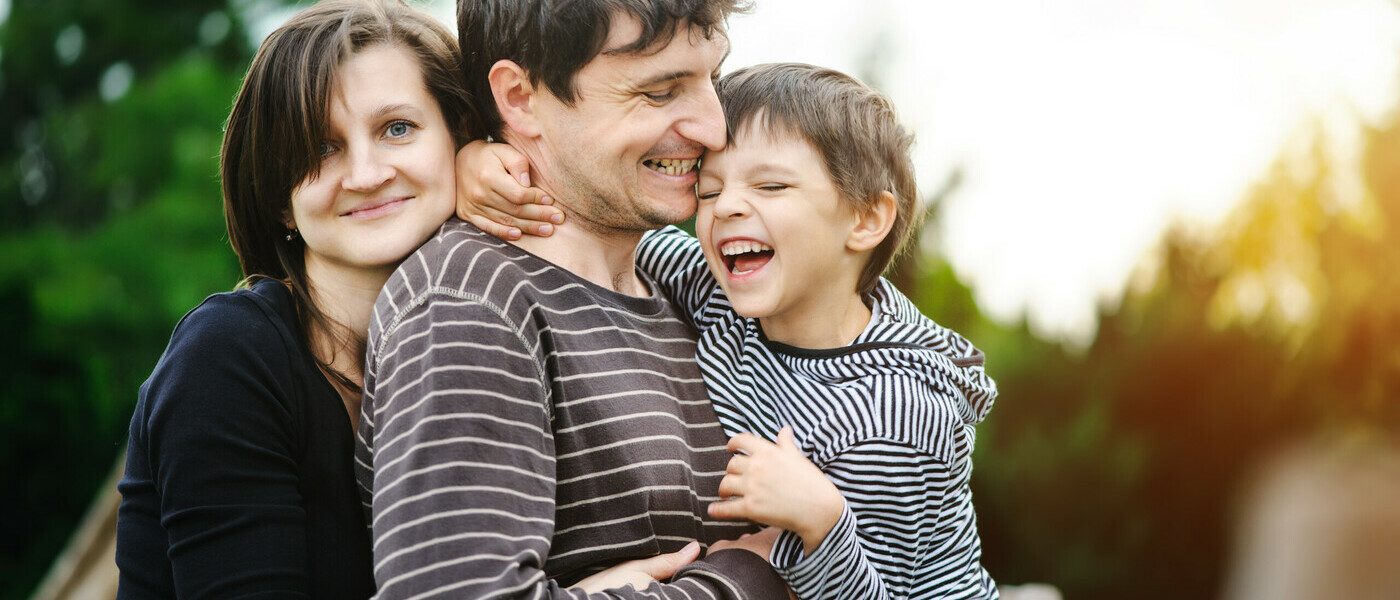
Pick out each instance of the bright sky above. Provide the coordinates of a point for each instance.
(1085, 127)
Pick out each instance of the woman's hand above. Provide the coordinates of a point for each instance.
(640, 573)
(774, 484)
(494, 193)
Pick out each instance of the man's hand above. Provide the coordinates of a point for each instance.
(760, 543)
(640, 573)
(494, 193)
(774, 484)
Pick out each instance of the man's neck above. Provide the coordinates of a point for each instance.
(604, 258)
(601, 255)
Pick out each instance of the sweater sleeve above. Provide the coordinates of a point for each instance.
(872, 551)
(674, 259)
(463, 464)
(222, 441)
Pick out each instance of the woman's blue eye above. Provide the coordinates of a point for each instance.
(326, 149)
(398, 129)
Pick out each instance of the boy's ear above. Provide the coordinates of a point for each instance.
(873, 224)
(514, 96)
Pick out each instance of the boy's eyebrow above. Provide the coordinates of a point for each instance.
(763, 168)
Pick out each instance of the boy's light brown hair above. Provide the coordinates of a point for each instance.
(852, 127)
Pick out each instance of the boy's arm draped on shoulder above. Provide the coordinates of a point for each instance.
(674, 260)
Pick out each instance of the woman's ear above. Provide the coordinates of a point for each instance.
(514, 95)
(873, 224)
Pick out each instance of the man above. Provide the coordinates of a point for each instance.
(533, 413)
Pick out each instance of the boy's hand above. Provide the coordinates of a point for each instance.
(494, 193)
(776, 485)
(639, 573)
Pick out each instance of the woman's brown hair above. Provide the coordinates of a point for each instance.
(273, 136)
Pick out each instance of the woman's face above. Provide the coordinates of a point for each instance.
(386, 180)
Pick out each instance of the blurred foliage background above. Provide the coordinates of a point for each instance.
(1108, 471)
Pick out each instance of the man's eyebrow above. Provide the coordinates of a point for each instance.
(663, 78)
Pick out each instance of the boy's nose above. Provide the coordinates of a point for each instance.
(730, 205)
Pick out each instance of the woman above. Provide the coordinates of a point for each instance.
(337, 163)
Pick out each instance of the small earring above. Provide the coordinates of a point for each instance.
(291, 234)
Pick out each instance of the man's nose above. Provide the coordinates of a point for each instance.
(704, 123)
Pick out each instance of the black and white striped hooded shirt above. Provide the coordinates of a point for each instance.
(889, 419)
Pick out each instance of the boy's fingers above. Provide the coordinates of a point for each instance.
(730, 510)
(537, 213)
(785, 440)
(515, 163)
(737, 464)
(504, 232)
(747, 442)
(731, 486)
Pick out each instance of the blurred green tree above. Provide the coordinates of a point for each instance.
(110, 228)
(1111, 472)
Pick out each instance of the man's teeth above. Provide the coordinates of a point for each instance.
(737, 248)
(672, 166)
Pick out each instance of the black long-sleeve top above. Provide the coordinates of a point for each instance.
(239, 479)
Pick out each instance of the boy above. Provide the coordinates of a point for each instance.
(798, 217)
(851, 414)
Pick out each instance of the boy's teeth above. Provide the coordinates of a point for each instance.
(737, 248)
(671, 166)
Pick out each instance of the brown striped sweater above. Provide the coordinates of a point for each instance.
(523, 428)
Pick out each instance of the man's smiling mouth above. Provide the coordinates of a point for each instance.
(672, 166)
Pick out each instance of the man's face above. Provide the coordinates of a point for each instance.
(623, 157)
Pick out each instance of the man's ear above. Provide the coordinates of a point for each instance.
(873, 224)
(514, 96)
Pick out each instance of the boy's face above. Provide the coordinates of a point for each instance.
(774, 231)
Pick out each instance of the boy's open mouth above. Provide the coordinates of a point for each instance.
(671, 166)
(742, 257)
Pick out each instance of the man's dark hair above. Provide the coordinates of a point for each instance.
(552, 40)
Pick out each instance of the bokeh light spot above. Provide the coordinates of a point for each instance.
(213, 28)
(69, 44)
(116, 81)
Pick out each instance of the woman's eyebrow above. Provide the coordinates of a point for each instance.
(388, 109)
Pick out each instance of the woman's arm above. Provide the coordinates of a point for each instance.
(221, 430)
